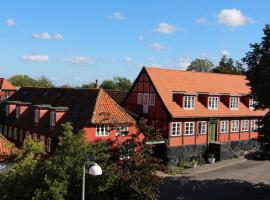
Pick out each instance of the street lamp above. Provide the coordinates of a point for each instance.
(94, 170)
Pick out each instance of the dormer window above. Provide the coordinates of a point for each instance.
(189, 102)
(7, 109)
(122, 131)
(17, 112)
(234, 103)
(36, 120)
(252, 104)
(213, 103)
(52, 118)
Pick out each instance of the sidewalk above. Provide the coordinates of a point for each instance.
(207, 167)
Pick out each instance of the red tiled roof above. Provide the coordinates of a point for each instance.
(5, 147)
(168, 81)
(6, 85)
(117, 95)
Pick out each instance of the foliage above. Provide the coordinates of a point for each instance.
(88, 85)
(118, 83)
(26, 81)
(229, 66)
(258, 62)
(148, 128)
(200, 65)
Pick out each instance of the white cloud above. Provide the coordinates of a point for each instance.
(155, 45)
(128, 59)
(233, 18)
(10, 22)
(165, 28)
(81, 60)
(47, 36)
(183, 62)
(44, 36)
(202, 20)
(58, 36)
(225, 52)
(117, 15)
(35, 58)
(140, 37)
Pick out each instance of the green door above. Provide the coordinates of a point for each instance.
(213, 128)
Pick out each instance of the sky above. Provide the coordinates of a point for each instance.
(78, 41)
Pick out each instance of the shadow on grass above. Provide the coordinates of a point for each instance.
(186, 188)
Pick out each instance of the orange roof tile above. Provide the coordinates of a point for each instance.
(6, 85)
(108, 111)
(166, 81)
(5, 147)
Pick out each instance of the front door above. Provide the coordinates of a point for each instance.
(145, 103)
(213, 128)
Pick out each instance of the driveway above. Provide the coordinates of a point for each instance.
(249, 180)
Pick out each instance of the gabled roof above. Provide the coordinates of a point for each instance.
(6, 85)
(5, 147)
(117, 95)
(82, 106)
(167, 81)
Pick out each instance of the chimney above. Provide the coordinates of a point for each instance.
(96, 85)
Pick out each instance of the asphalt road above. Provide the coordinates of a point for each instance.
(248, 180)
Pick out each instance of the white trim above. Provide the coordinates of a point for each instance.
(203, 126)
(213, 103)
(234, 126)
(52, 118)
(152, 100)
(189, 102)
(102, 130)
(244, 124)
(224, 126)
(18, 112)
(189, 130)
(176, 129)
(139, 98)
(234, 103)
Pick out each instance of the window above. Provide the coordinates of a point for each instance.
(234, 103)
(102, 130)
(7, 110)
(189, 128)
(152, 99)
(244, 125)
(176, 128)
(52, 118)
(122, 131)
(7, 94)
(254, 125)
(49, 144)
(202, 127)
(189, 102)
(224, 126)
(234, 126)
(213, 103)
(139, 98)
(252, 104)
(17, 112)
(36, 120)
(15, 136)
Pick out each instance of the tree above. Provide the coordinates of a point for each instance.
(45, 82)
(229, 66)
(108, 85)
(200, 65)
(22, 81)
(258, 74)
(118, 83)
(88, 85)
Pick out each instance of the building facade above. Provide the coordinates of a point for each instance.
(193, 109)
(40, 112)
(6, 89)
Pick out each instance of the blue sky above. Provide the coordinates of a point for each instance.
(78, 41)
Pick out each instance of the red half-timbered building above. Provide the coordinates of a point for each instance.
(193, 109)
(40, 112)
(6, 89)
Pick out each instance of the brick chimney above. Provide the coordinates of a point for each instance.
(96, 85)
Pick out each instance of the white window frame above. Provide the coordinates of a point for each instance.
(234, 103)
(252, 102)
(213, 102)
(189, 102)
(176, 129)
(202, 127)
(152, 100)
(244, 125)
(234, 126)
(189, 128)
(224, 126)
(18, 112)
(52, 118)
(37, 114)
(7, 110)
(139, 98)
(122, 130)
(48, 145)
(254, 125)
(102, 130)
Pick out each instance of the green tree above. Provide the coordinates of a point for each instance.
(22, 81)
(45, 82)
(200, 65)
(229, 66)
(88, 85)
(118, 83)
(108, 85)
(258, 74)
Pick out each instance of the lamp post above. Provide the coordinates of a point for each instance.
(94, 170)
